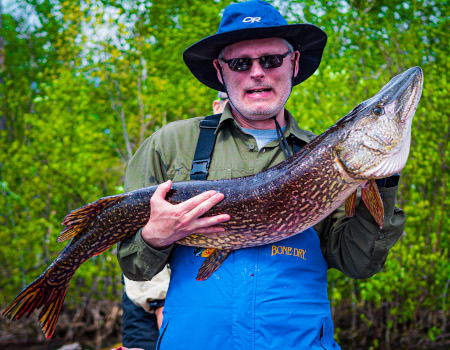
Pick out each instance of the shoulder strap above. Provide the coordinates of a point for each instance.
(205, 146)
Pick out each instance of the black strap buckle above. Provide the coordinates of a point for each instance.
(200, 167)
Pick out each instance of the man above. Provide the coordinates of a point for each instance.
(256, 299)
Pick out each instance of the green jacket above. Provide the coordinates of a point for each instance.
(356, 246)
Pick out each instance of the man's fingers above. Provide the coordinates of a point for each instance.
(194, 202)
(211, 231)
(210, 197)
(163, 189)
(213, 220)
(202, 207)
(211, 223)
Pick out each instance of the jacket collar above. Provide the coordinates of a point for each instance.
(292, 128)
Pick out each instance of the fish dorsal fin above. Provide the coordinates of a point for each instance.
(350, 205)
(77, 220)
(212, 263)
(372, 200)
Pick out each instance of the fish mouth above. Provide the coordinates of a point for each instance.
(409, 91)
(417, 87)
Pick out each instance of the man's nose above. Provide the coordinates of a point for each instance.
(256, 71)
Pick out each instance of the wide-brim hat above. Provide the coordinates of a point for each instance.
(255, 20)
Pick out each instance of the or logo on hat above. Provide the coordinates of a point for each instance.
(251, 19)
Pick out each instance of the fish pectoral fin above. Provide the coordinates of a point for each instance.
(350, 205)
(212, 263)
(77, 220)
(373, 202)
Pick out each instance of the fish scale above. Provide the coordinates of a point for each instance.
(264, 208)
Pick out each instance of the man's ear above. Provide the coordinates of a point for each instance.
(216, 106)
(217, 66)
(297, 59)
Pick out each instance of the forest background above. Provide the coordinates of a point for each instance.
(84, 83)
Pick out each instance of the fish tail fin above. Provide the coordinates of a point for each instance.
(212, 263)
(50, 312)
(33, 297)
(77, 220)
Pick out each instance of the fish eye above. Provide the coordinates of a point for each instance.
(378, 111)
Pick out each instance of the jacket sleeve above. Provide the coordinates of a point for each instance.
(139, 261)
(145, 293)
(357, 246)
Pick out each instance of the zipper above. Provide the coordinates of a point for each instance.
(158, 346)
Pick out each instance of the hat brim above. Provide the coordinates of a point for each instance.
(309, 39)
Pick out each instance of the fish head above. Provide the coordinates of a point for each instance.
(375, 136)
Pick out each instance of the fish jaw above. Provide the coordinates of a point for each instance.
(378, 144)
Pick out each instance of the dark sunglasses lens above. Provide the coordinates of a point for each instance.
(272, 61)
(240, 64)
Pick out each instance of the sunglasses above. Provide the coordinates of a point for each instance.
(244, 63)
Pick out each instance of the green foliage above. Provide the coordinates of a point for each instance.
(82, 89)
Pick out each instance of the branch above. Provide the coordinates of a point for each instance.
(116, 106)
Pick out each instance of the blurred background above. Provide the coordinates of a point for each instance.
(84, 83)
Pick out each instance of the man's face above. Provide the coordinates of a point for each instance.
(258, 93)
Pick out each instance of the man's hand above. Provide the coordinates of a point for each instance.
(171, 222)
(159, 316)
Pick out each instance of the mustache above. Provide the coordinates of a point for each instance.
(259, 87)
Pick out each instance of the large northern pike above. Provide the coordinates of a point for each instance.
(370, 142)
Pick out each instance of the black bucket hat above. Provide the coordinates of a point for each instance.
(255, 20)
